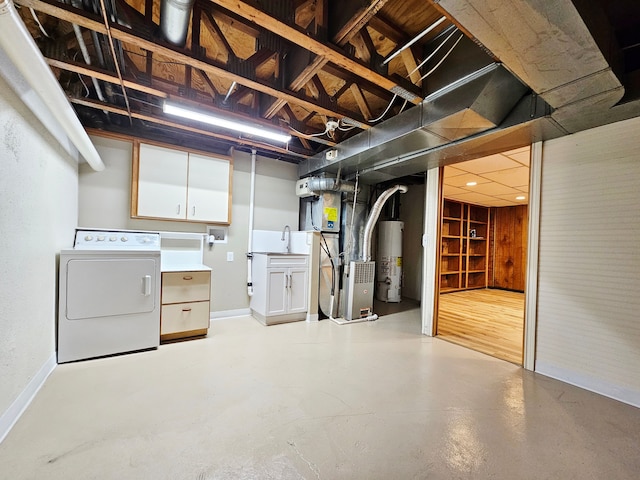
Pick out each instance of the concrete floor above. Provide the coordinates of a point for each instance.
(317, 401)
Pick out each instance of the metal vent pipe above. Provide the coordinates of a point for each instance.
(373, 218)
(329, 184)
(174, 20)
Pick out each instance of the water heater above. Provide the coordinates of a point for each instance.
(389, 261)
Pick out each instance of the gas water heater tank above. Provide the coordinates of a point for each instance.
(389, 261)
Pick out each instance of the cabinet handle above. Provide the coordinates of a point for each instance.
(194, 211)
(186, 309)
(187, 277)
(288, 281)
(178, 209)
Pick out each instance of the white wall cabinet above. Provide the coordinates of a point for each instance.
(180, 185)
(280, 288)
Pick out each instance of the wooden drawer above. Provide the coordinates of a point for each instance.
(184, 317)
(180, 287)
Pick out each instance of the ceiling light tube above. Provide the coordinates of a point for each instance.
(208, 118)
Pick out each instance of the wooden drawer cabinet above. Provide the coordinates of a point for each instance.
(185, 304)
(184, 317)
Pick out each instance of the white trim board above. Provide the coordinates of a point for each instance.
(22, 401)
(240, 312)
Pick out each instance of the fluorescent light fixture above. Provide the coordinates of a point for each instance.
(471, 184)
(173, 109)
(520, 197)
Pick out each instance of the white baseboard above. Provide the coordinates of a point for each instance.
(597, 385)
(240, 312)
(20, 404)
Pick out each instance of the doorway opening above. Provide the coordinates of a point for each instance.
(482, 254)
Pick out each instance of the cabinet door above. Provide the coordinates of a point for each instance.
(208, 189)
(162, 182)
(276, 291)
(297, 290)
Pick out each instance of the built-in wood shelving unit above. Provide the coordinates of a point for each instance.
(464, 246)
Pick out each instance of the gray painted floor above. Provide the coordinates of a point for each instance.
(365, 401)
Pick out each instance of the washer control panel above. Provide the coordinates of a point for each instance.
(121, 239)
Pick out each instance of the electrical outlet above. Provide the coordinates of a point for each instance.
(229, 256)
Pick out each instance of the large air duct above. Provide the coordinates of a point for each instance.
(174, 20)
(329, 184)
(373, 218)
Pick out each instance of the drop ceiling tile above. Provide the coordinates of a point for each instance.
(503, 203)
(451, 190)
(494, 189)
(452, 172)
(512, 198)
(462, 180)
(511, 176)
(492, 163)
(476, 198)
(521, 157)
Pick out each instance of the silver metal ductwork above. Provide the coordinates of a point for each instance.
(174, 20)
(558, 75)
(476, 103)
(329, 184)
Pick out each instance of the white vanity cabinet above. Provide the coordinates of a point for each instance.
(185, 304)
(180, 185)
(280, 287)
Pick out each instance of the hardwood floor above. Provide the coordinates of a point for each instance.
(488, 321)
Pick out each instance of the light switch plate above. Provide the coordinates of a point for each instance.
(229, 256)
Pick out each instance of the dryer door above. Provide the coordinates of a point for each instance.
(110, 287)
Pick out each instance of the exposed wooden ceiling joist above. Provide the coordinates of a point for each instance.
(86, 20)
(301, 38)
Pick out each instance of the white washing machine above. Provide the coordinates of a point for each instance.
(109, 294)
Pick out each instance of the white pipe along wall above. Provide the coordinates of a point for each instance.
(252, 194)
(20, 48)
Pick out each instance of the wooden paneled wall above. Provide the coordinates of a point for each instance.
(508, 250)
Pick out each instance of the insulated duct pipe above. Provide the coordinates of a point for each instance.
(328, 184)
(373, 218)
(252, 194)
(174, 20)
(23, 52)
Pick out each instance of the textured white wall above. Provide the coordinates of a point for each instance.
(38, 194)
(589, 268)
(104, 202)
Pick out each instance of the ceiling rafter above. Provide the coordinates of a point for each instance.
(361, 101)
(87, 20)
(358, 22)
(302, 39)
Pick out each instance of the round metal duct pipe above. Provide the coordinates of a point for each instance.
(328, 184)
(174, 20)
(373, 218)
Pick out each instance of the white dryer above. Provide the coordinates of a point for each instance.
(109, 294)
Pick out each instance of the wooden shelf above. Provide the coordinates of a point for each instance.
(464, 246)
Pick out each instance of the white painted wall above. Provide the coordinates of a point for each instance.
(104, 202)
(588, 325)
(38, 194)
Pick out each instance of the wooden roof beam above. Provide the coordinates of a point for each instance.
(357, 22)
(87, 20)
(300, 38)
(361, 101)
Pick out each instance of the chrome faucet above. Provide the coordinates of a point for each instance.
(286, 227)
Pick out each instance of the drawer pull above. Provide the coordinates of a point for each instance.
(187, 277)
(186, 309)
